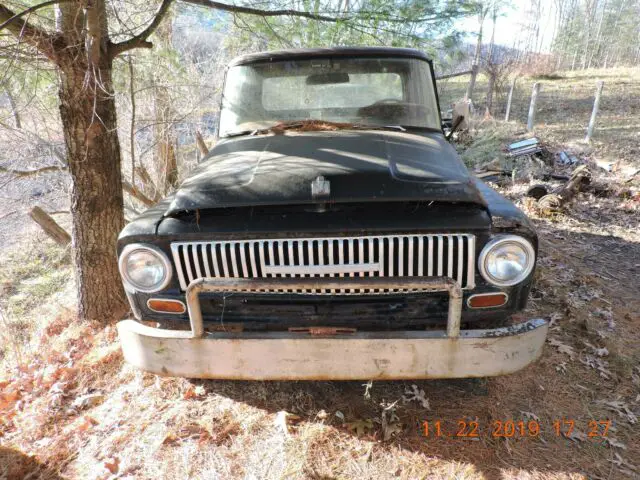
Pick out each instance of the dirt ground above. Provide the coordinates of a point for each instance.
(70, 407)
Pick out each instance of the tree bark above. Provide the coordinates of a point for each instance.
(88, 114)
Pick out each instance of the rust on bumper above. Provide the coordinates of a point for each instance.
(362, 355)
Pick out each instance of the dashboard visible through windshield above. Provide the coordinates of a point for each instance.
(362, 91)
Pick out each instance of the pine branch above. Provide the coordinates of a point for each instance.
(28, 11)
(384, 16)
(31, 34)
(262, 13)
(140, 40)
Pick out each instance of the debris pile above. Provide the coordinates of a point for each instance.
(556, 176)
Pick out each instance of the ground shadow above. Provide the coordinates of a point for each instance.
(15, 465)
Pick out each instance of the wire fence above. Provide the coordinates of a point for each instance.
(560, 101)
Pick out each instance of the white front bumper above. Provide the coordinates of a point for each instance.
(362, 355)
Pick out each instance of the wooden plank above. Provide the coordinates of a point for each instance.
(452, 75)
(50, 227)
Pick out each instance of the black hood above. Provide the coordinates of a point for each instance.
(360, 166)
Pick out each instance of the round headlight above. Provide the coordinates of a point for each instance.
(145, 268)
(506, 260)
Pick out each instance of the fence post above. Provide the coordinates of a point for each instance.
(594, 113)
(532, 106)
(508, 112)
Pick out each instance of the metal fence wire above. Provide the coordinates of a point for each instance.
(559, 102)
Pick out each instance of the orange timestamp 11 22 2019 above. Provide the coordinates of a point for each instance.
(465, 428)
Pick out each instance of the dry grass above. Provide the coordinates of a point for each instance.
(143, 426)
(35, 286)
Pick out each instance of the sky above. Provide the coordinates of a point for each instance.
(509, 27)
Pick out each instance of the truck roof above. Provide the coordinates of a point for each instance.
(305, 53)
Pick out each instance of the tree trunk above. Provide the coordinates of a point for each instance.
(165, 131)
(476, 58)
(88, 113)
(490, 88)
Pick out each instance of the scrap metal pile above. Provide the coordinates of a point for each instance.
(555, 177)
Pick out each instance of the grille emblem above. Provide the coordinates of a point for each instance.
(320, 187)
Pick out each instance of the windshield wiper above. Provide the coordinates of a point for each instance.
(241, 133)
(379, 127)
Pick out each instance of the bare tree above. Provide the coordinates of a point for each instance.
(482, 9)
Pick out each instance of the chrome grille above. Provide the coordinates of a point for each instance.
(451, 255)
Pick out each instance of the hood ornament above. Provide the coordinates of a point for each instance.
(320, 187)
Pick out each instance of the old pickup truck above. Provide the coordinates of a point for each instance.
(332, 233)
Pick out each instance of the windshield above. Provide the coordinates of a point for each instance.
(362, 91)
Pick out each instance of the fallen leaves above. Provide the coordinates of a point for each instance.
(86, 423)
(112, 465)
(615, 443)
(562, 347)
(284, 420)
(389, 421)
(600, 352)
(561, 367)
(194, 391)
(87, 401)
(554, 319)
(577, 436)
(191, 431)
(606, 315)
(57, 392)
(530, 416)
(9, 398)
(598, 364)
(360, 427)
(593, 360)
(623, 465)
(81, 425)
(414, 394)
(621, 408)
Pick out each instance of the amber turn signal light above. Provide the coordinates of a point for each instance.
(161, 305)
(486, 300)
